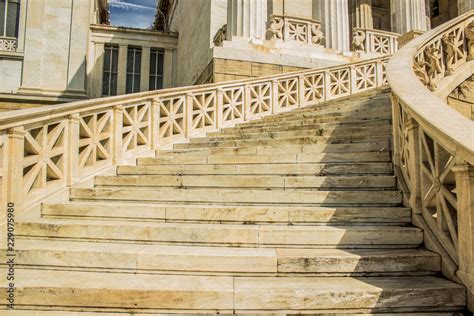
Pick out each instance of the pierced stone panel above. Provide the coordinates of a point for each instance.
(95, 143)
(44, 157)
(171, 121)
(297, 31)
(260, 99)
(287, 94)
(402, 129)
(438, 192)
(233, 105)
(136, 127)
(339, 83)
(381, 44)
(313, 88)
(365, 77)
(454, 48)
(203, 110)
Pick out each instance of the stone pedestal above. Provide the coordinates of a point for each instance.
(334, 17)
(246, 19)
(408, 15)
(362, 14)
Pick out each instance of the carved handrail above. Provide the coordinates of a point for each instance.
(375, 41)
(434, 144)
(288, 28)
(48, 149)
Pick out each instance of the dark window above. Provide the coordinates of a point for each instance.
(9, 17)
(109, 78)
(434, 8)
(156, 69)
(134, 63)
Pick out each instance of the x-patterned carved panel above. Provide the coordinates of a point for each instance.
(233, 105)
(95, 143)
(287, 93)
(203, 114)
(381, 44)
(171, 120)
(44, 157)
(313, 88)
(365, 77)
(136, 127)
(260, 99)
(438, 192)
(297, 31)
(339, 83)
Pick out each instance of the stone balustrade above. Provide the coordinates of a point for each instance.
(48, 149)
(434, 144)
(374, 41)
(8, 44)
(288, 28)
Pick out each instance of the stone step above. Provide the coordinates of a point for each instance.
(234, 235)
(140, 258)
(261, 169)
(247, 181)
(315, 131)
(193, 159)
(238, 195)
(361, 117)
(144, 293)
(297, 127)
(295, 215)
(303, 140)
(328, 134)
(354, 113)
(284, 149)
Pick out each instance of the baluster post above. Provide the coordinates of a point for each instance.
(301, 98)
(414, 143)
(464, 174)
(219, 108)
(188, 112)
(117, 134)
(247, 105)
(274, 100)
(13, 195)
(72, 149)
(155, 123)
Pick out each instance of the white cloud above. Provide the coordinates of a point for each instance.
(127, 6)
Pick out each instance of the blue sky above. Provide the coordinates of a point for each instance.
(132, 13)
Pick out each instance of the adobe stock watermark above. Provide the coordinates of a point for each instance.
(10, 255)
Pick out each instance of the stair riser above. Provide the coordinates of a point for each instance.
(213, 261)
(283, 149)
(242, 214)
(288, 158)
(304, 140)
(300, 127)
(354, 132)
(260, 169)
(241, 196)
(220, 235)
(247, 181)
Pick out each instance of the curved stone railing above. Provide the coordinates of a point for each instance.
(434, 144)
(48, 149)
(375, 41)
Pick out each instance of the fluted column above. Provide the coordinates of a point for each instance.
(246, 19)
(465, 5)
(334, 18)
(362, 14)
(408, 15)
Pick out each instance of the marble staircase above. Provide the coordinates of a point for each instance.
(294, 213)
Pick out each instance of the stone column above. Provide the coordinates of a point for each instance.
(408, 15)
(145, 69)
(96, 70)
(246, 19)
(122, 70)
(465, 6)
(334, 18)
(362, 14)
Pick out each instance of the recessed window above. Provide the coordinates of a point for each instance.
(156, 69)
(134, 63)
(434, 8)
(9, 17)
(110, 71)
